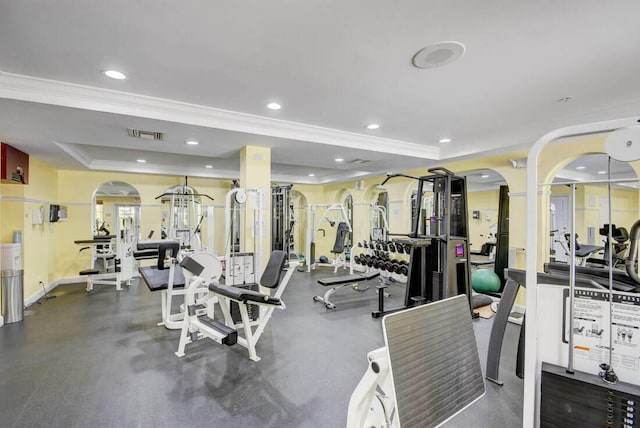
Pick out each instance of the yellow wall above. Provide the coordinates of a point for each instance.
(487, 203)
(50, 253)
(38, 241)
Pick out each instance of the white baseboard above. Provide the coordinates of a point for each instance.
(49, 287)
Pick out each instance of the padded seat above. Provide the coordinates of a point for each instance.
(244, 295)
(89, 272)
(158, 279)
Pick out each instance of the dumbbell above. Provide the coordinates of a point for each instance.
(392, 247)
(356, 259)
(404, 269)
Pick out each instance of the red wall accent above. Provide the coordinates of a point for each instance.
(14, 165)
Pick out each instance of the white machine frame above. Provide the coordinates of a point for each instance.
(252, 329)
(119, 247)
(312, 227)
(233, 270)
(533, 362)
(212, 272)
(372, 402)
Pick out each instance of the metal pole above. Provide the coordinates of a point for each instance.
(572, 275)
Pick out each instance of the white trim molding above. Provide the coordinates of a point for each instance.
(38, 90)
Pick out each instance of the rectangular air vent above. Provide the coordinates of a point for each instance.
(145, 135)
(359, 161)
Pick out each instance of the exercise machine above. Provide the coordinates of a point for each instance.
(334, 215)
(197, 326)
(168, 278)
(379, 223)
(617, 246)
(283, 219)
(115, 253)
(425, 374)
(596, 393)
(242, 255)
(439, 261)
(583, 252)
(185, 215)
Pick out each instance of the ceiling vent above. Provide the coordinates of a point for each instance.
(145, 135)
(358, 161)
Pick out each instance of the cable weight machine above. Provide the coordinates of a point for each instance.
(439, 259)
(282, 219)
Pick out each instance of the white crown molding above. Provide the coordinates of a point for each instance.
(33, 89)
(76, 152)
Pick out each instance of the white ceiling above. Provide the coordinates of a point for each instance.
(206, 70)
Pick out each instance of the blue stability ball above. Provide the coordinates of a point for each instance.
(485, 281)
(324, 259)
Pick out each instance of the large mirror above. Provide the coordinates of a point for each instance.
(594, 212)
(116, 205)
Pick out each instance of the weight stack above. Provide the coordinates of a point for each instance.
(585, 400)
(254, 310)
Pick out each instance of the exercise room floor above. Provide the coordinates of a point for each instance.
(99, 360)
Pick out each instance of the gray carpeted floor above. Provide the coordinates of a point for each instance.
(99, 360)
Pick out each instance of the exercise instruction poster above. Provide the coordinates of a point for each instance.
(591, 320)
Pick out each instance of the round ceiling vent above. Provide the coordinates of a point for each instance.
(438, 55)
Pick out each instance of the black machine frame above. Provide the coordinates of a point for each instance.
(439, 261)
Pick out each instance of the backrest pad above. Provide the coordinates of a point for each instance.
(271, 276)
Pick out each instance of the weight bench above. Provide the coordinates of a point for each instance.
(197, 326)
(338, 282)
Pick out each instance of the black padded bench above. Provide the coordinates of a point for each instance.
(338, 282)
(158, 280)
(157, 277)
(347, 279)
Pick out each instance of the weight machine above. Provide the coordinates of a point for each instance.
(343, 227)
(439, 260)
(378, 219)
(185, 215)
(282, 219)
(242, 263)
(115, 253)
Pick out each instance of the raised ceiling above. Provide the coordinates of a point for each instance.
(206, 70)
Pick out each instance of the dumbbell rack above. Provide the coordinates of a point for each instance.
(377, 255)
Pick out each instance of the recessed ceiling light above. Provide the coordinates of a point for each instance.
(115, 74)
(602, 172)
(581, 167)
(484, 176)
(339, 160)
(192, 143)
(141, 161)
(438, 55)
(274, 106)
(444, 140)
(208, 166)
(312, 175)
(372, 126)
(565, 99)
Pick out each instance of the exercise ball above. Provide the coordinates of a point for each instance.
(485, 281)
(324, 259)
